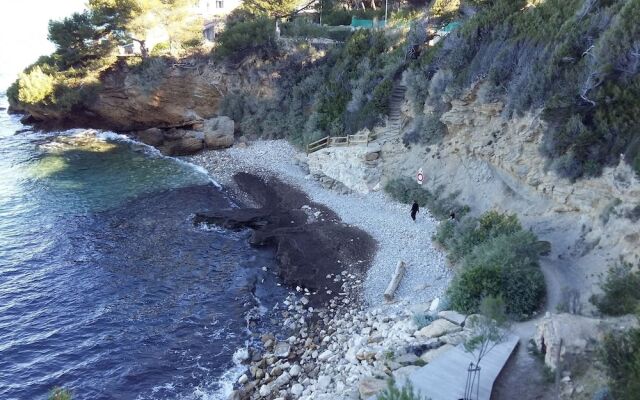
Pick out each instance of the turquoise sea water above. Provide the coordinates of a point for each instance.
(106, 287)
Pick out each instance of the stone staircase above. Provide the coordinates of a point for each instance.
(394, 123)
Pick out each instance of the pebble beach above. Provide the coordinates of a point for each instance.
(349, 348)
(387, 221)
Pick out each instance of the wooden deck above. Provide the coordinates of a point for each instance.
(445, 377)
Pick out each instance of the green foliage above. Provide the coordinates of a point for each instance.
(346, 89)
(620, 354)
(488, 329)
(393, 393)
(59, 394)
(620, 294)
(471, 232)
(421, 320)
(445, 8)
(273, 8)
(337, 17)
(256, 36)
(406, 190)
(34, 86)
(578, 60)
(495, 257)
(160, 49)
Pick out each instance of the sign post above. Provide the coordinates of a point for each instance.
(420, 176)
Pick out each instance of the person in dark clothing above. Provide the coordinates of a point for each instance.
(414, 210)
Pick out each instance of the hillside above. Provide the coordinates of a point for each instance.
(524, 107)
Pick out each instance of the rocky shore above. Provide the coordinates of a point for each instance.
(346, 351)
(344, 342)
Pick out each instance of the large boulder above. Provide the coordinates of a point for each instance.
(182, 147)
(151, 136)
(453, 316)
(370, 387)
(438, 328)
(218, 132)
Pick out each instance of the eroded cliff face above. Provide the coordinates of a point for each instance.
(165, 96)
(495, 163)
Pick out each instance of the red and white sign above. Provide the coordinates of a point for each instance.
(420, 176)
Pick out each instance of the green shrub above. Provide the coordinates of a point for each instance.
(302, 28)
(337, 17)
(620, 294)
(406, 190)
(393, 393)
(445, 8)
(495, 257)
(421, 320)
(620, 354)
(253, 36)
(35, 86)
(471, 232)
(160, 49)
(59, 394)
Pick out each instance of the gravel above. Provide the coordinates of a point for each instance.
(387, 221)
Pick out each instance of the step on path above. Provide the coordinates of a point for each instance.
(395, 104)
(446, 376)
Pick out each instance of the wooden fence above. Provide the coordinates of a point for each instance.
(338, 141)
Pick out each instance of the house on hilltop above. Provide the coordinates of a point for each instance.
(214, 13)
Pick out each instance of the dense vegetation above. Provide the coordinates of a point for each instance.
(620, 354)
(577, 59)
(86, 45)
(494, 257)
(620, 294)
(345, 90)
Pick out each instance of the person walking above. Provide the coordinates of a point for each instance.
(414, 210)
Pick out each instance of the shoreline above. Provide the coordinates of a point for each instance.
(348, 347)
(384, 219)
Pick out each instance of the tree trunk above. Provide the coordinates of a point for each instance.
(373, 4)
(395, 281)
(143, 50)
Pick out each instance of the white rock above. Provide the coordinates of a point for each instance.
(434, 305)
(282, 380)
(243, 379)
(295, 370)
(282, 350)
(325, 355)
(323, 382)
(438, 328)
(453, 316)
(369, 386)
(265, 390)
(297, 389)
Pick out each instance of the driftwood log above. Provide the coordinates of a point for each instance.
(395, 281)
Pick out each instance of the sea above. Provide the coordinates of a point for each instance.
(107, 289)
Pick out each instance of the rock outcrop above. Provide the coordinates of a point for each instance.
(161, 95)
(494, 162)
(563, 335)
(213, 133)
(356, 167)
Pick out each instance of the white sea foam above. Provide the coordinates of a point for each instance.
(153, 152)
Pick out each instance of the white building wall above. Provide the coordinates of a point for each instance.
(210, 8)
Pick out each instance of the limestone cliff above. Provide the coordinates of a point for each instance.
(163, 95)
(494, 162)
